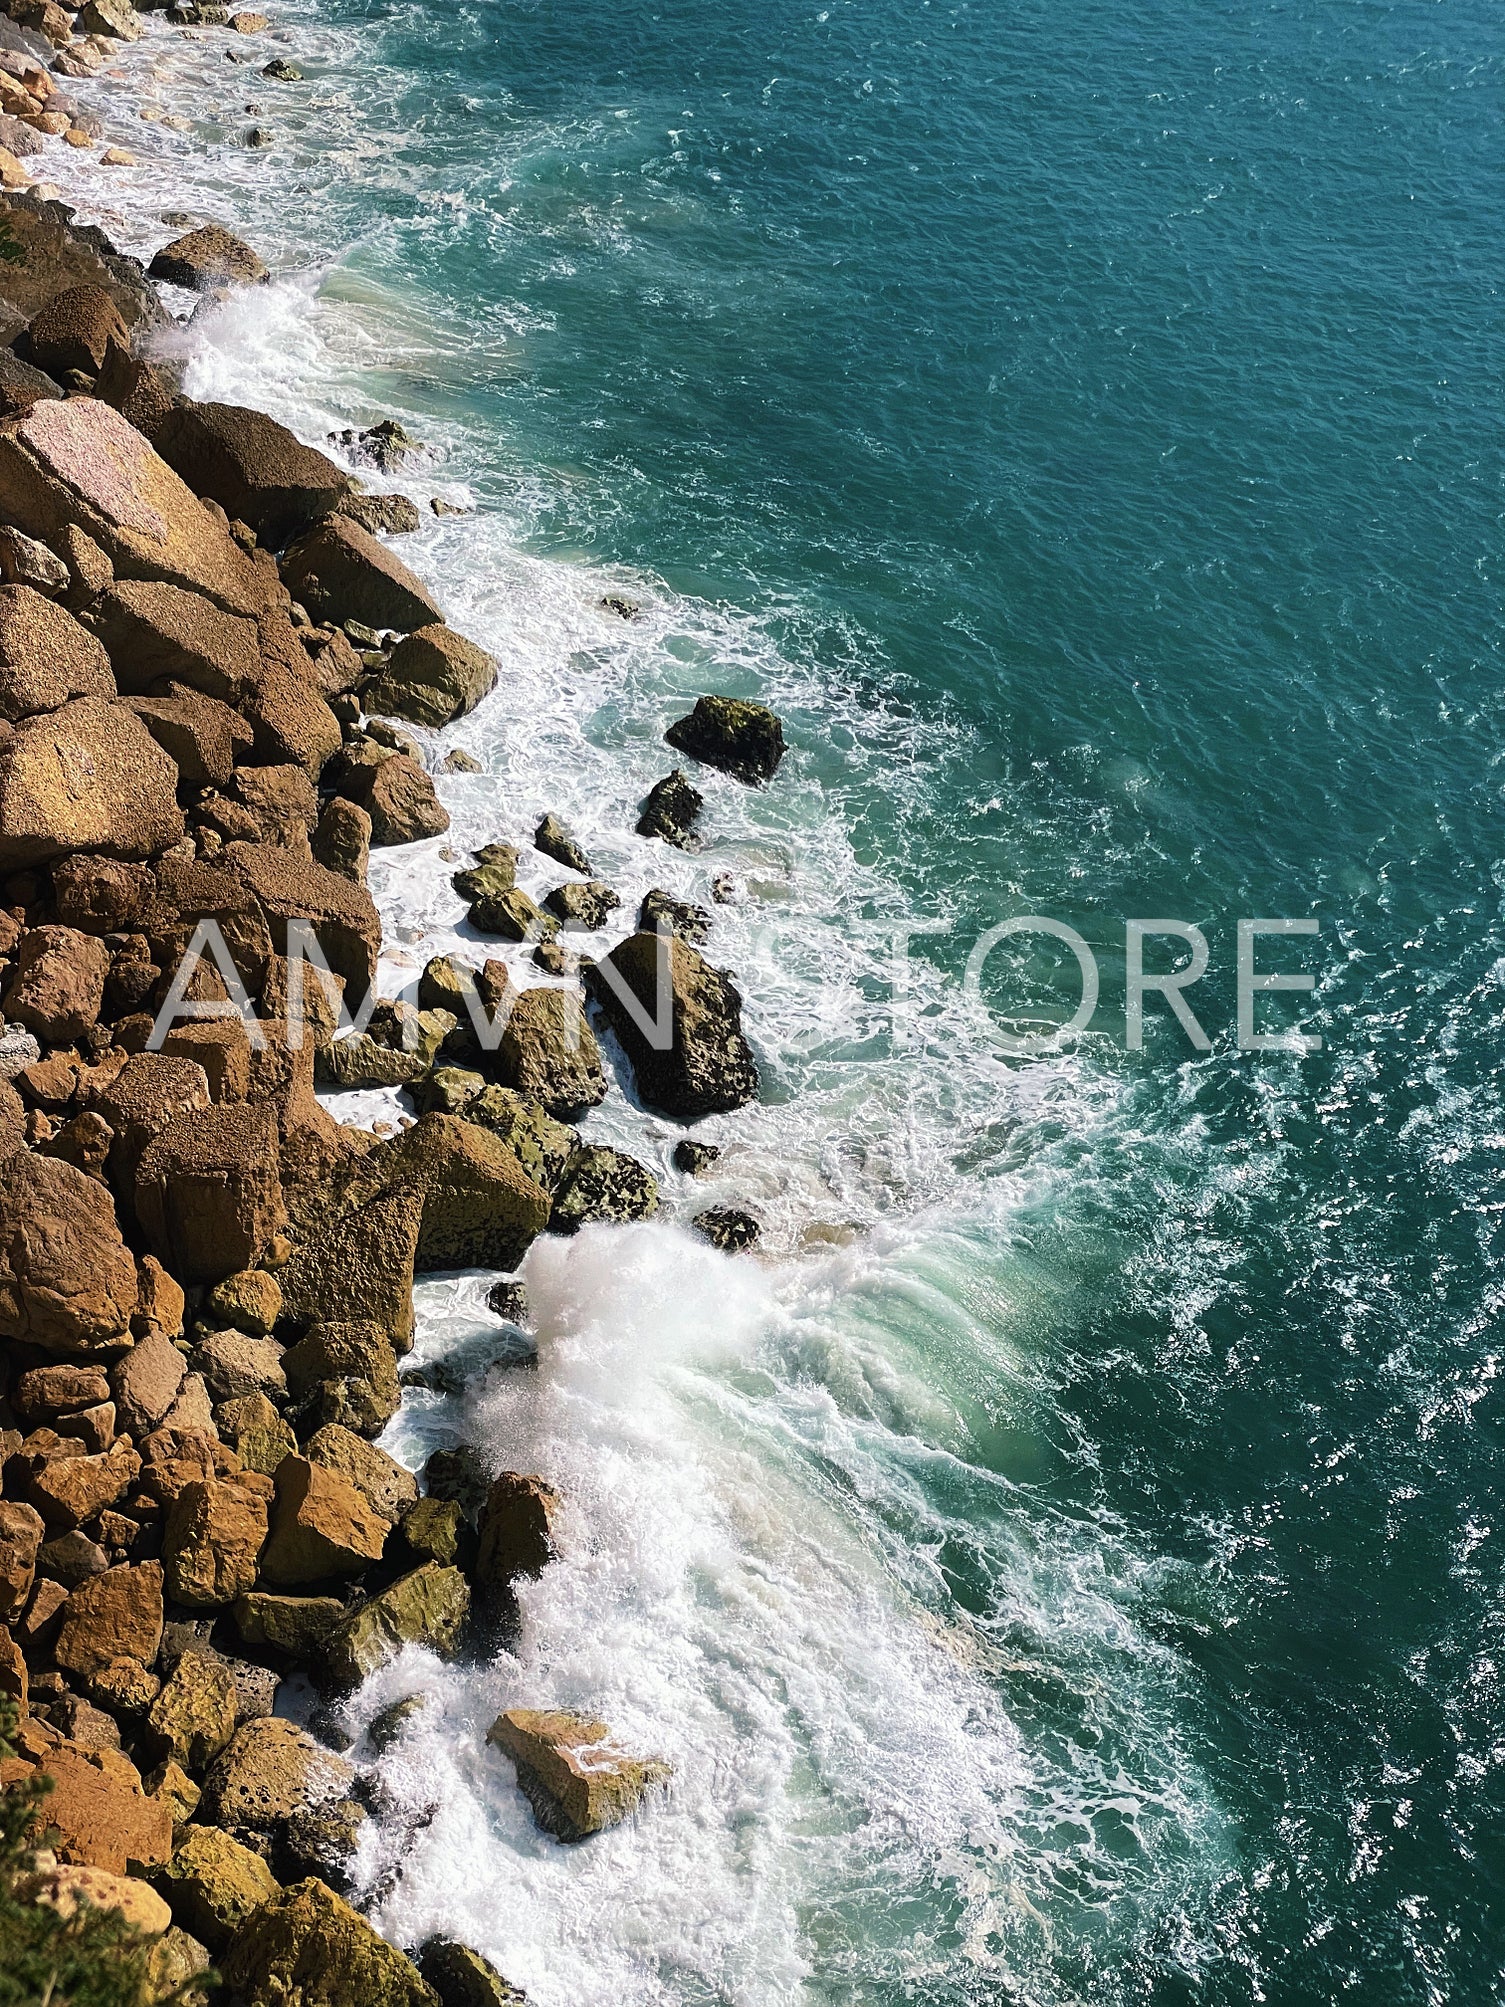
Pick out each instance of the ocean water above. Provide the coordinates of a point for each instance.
(1064, 1566)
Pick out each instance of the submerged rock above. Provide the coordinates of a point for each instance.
(573, 1773)
(728, 1229)
(603, 1184)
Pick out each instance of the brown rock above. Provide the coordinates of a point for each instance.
(23, 561)
(213, 1540)
(21, 1532)
(321, 1527)
(295, 1625)
(69, 1889)
(549, 1053)
(88, 568)
(159, 1308)
(345, 1373)
(342, 916)
(193, 1717)
(206, 259)
(67, 1280)
(706, 1065)
(253, 467)
(399, 799)
(59, 983)
(137, 389)
(271, 1771)
(74, 331)
(250, 1301)
(117, 1615)
(67, 1490)
(517, 1533)
(433, 676)
(235, 1364)
(146, 1382)
(428, 1607)
(290, 720)
(78, 461)
(214, 1884)
(221, 1046)
(191, 892)
(48, 1391)
(100, 895)
(37, 1630)
(380, 1479)
(86, 777)
(199, 734)
(21, 386)
(208, 1192)
(102, 1819)
(45, 255)
(150, 1092)
(359, 1267)
(257, 1433)
(311, 1948)
(156, 633)
(46, 658)
(342, 841)
(340, 572)
(575, 1776)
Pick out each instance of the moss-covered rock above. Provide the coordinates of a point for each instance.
(428, 1607)
(603, 1184)
(742, 739)
(308, 1948)
(213, 1883)
(294, 1625)
(542, 1145)
(193, 1717)
(463, 1978)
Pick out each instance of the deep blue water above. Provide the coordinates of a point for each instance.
(1091, 412)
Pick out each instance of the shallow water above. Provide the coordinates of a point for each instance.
(1064, 1566)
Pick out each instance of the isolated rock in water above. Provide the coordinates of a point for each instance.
(308, 1948)
(560, 843)
(463, 1978)
(257, 470)
(271, 1770)
(214, 1883)
(46, 658)
(603, 1184)
(386, 444)
(340, 572)
(728, 1229)
(74, 331)
(359, 1266)
(86, 777)
(587, 906)
(696, 1159)
(575, 1776)
(381, 515)
(206, 259)
(67, 1279)
(79, 462)
(699, 1062)
(431, 677)
(428, 1607)
(670, 810)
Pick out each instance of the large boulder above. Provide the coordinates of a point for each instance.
(463, 1978)
(157, 633)
(742, 739)
(194, 1714)
(289, 719)
(212, 1543)
(549, 1054)
(696, 1063)
(45, 656)
(271, 1771)
(21, 386)
(209, 1192)
(117, 1615)
(322, 1528)
(213, 1883)
(207, 259)
(427, 1607)
(100, 895)
(258, 471)
(308, 1948)
(188, 892)
(59, 983)
(295, 1626)
(76, 330)
(432, 676)
(572, 1771)
(388, 1489)
(88, 776)
(360, 1266)
(70, 1889)
(67, 1279)
(342, 914)
(146, 1382)
(544, 1147)
(149, 1092)
(199, 734)
(345, 1373)
(46, 252)
(102, 1817)
(69, 1490)
(399, 799)
(339, 572)
(670, 809)
(79, 462)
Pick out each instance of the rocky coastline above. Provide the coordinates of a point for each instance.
(215, 671)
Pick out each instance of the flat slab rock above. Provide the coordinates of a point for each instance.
(574, 1774)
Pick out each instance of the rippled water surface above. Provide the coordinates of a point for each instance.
(1065, 1567)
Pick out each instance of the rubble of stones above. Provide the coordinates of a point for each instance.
(207, 661)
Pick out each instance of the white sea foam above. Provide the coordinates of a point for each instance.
(767, 1462)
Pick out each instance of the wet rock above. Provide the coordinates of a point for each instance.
(67, 1280)
(360, 1267)
(516, 1533)
(697, 1159)
(307, 1945)
(586, 906)
(463, 1978)
(321, 1843)
(74, 331)
(575, 1776)
(513, 916)
(59, 983)
(458, 1474)
(115, 18)
(399, 798)
(509, 1300)
(340, 572)
(433, 676)
(213, 1884)
(345, 1373)
(271, 1771)
(602, 1184)
(208, 1192)
(670, 810)
(46, 658)
(706, 1065)
(79, 462)
(206, 259)
(388, 1725)
(434, 1530)
(283, 72)
(193, 1717)
(116, 1615)
(212, 1543)
(458, 761)
(257, 470)
(322, 1528)
(560, 843)
(90, 777)
(428, 1607)
(381, 1480)
(541, 1145)
(294, 1625)
(728, 1229)
(386, 444)
(381, 515)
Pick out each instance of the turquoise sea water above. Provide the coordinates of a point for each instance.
(1068, 1568)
